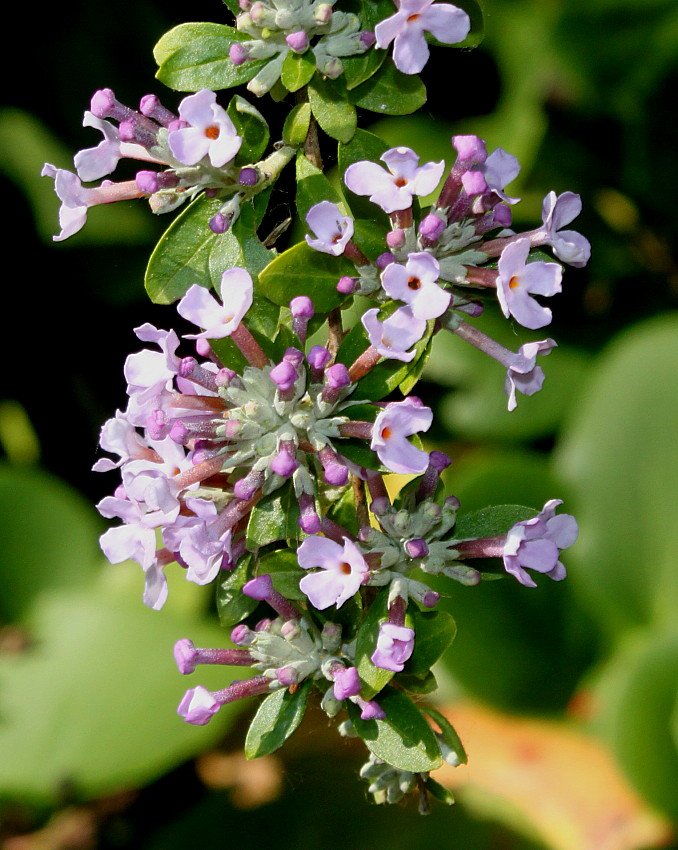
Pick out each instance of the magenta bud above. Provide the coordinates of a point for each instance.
(347, 285)
(219, 223)
(430, 599)
(470, 148)
(385, 259)
(178, 124)
(346, 683)
(472, 309)
(259, 588)
(147, 182)
(287, 676)
(302, 307)
(380, 506)
(318, 357)
(185, 654)
(237, 53)
(297, 41)
(157, 425)
(263, 625)
(203, 348)
(104, 104)
(416, 548)
(502, 215)
(337, 376)
(246, 487)
(248, 177)
(283, 375)
(431, 227)
(453, 503)
(474, 183)
(368, 38)
(151, 107)
(241, 635)
(179, 433)
(284, 463)
(395, 238)
(439, 460)
(294, 356)
(372, 711)
(225, 377)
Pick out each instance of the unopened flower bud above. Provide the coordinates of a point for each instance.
(297, 41)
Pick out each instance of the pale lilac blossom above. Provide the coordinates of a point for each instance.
(394, 646)
(523, 374)
(150, 374)
(406, 29)
(395, 335)
(343, 571)
(394, 189)
(568, 245)
(332, 229)
(396, 422)
(219, 320)
(518, 280)
(210, 132)
(535, 544)
(415, 284)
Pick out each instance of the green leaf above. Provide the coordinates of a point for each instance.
(390, 92)
(448, 733)
(276, 719)
(489, 522)
(274, 518)
(299, 271)
(312, 187)
(335, 115)
(416, 684)
(296, 125)
(619, 458)
(49, 537)
(232, 604)
(373, 678)
(251, 126)
(194, 56)
(434, 631)
(182, 256)
(285, 572)
(638, 714)
(403, 738)
(94, 698)
(297, 70)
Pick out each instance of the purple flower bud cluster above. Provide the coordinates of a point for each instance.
(196, 148)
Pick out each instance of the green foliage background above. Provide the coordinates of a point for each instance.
(584, 93)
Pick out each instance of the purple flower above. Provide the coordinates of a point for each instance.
(343, 570)
(406, 29)
(94, 163)
(198, 706)
(150, 374)
(518, 280)
(499, 169)
(74, 197)
(398, 421)
(346, 683)
(523, 374)
(393, 189)
(394, 647)
(415, 283)
(332, 229)
(568, 245)
(201, 308)
(535, 544)
(394, 335)
(210, 132)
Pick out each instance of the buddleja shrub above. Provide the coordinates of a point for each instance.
(258, 459)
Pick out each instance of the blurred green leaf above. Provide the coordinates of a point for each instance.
(619, 457)
(637, 713)
(93, 701)
(49, 536)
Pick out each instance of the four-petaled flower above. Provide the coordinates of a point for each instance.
(518, 280)
(398, 421)
(210, 132)
(394, 646)
(219, 320)
(332, 229)
(568, 245)
(392, 337)
(406, 29)
(535, 544)
(415, 284)
(343, 571)
(394, 189)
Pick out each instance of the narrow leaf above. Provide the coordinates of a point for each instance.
(278, 716)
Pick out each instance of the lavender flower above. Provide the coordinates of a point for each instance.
(535, 544)
(394, 646)
(398, 421)
(332, 229)
(392, 337)
(415, 284)
(210, 132)
(343, 571)
(220, 320)
(518, 280)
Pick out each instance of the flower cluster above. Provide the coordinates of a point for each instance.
(439, 266)
(256, 461)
